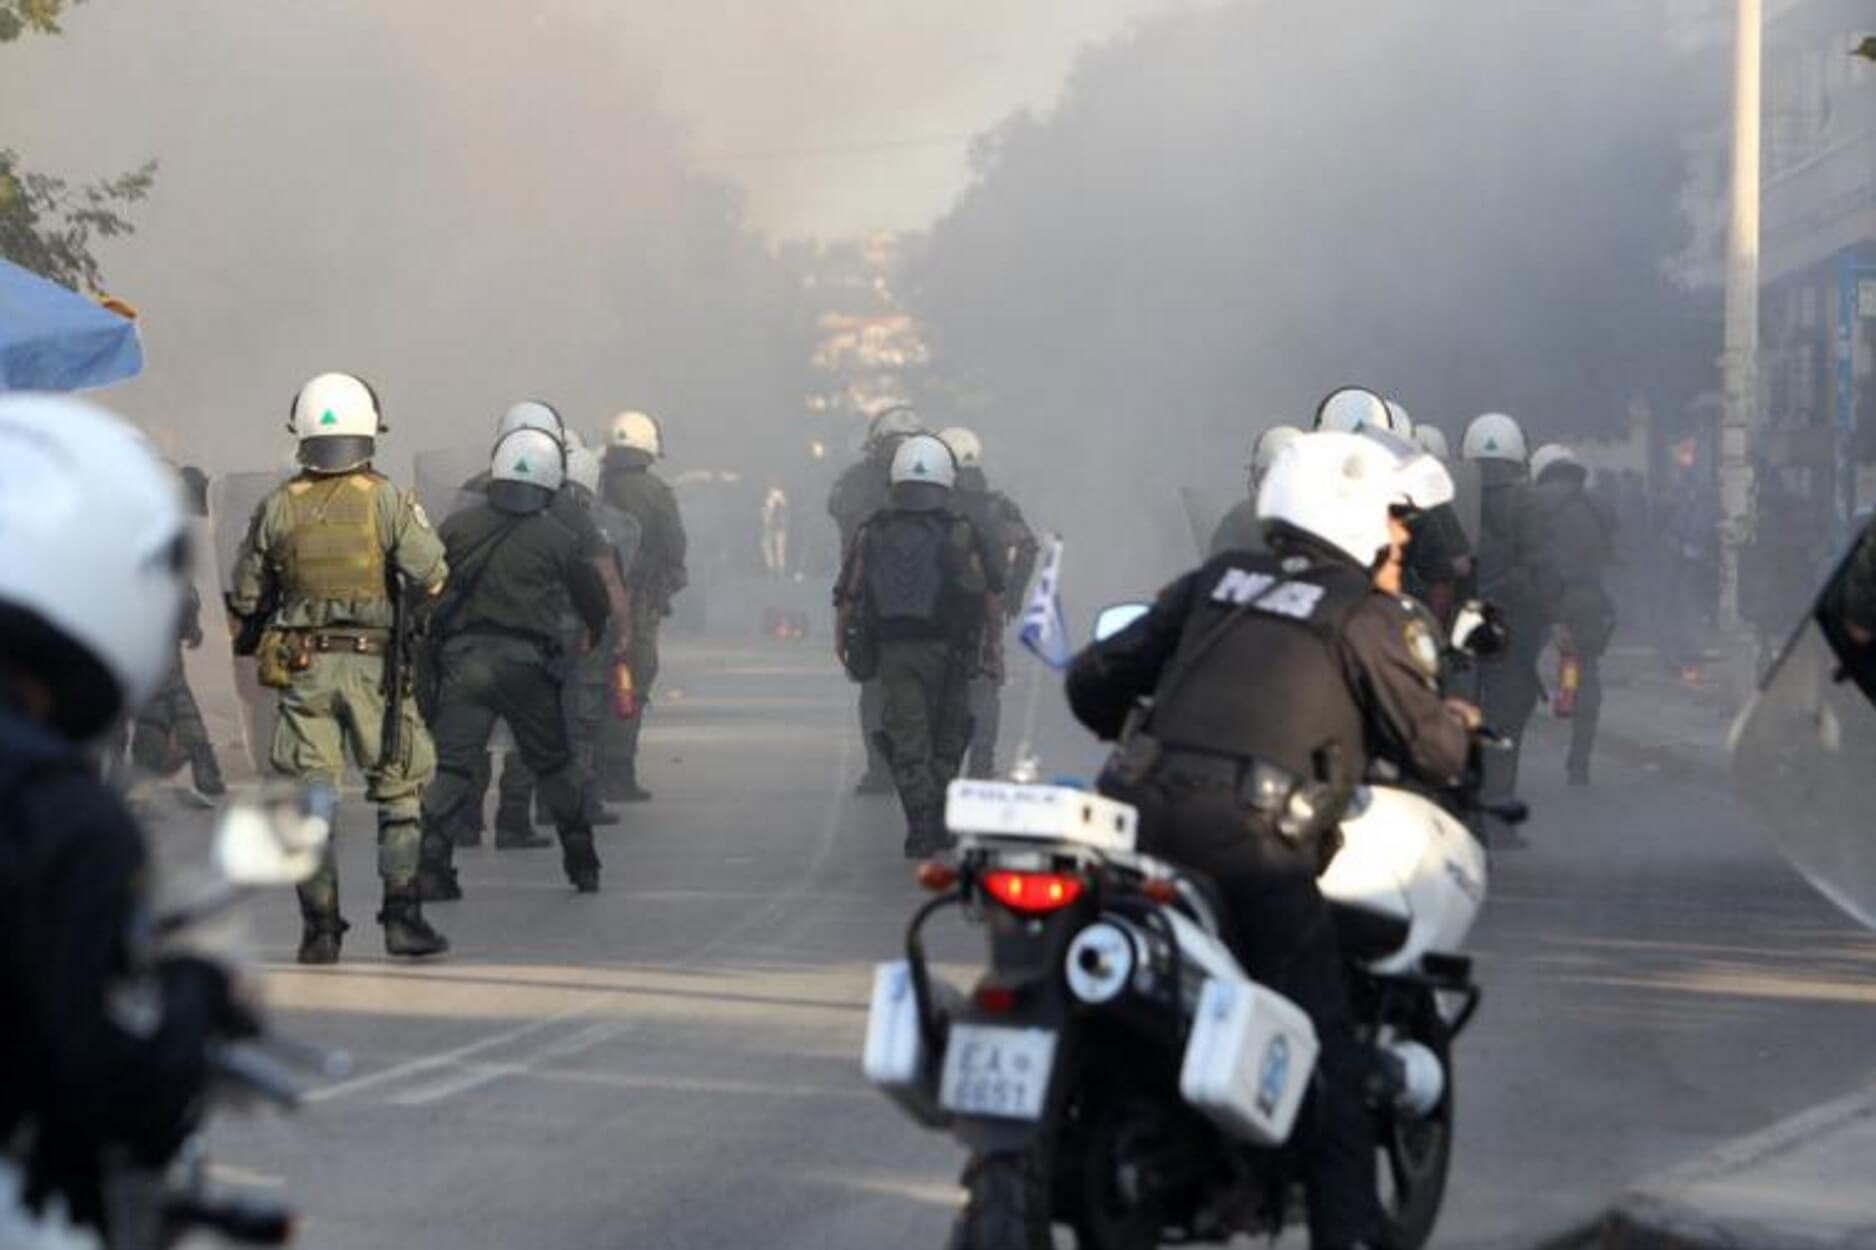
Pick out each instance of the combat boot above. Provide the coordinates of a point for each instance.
(436, 873)
(320, 937)
(406, 933)
(580, 860)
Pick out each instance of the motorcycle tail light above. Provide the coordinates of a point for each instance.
(995, 998)
(1033, 893)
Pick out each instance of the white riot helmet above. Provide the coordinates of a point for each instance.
(1551, 456)
(637, 431)
(1352, 409)
(1269, 445)
(965, 445)
(1432, 440)
(1494, 436)
(924, 459)
(94, 558)
(1339, 488)
(337, 420)
(898, 421)
(526, 471)
(1398, 421)
(532, 414)
(583, 468)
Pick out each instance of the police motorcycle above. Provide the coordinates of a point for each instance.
(1115, 1069)
(275, 842)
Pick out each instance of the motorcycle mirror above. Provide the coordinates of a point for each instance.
(1479, 630)
(276, 843)
(1111, 620)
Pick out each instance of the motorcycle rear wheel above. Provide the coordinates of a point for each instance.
(1007, 1205)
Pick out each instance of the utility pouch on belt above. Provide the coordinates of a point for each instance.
(1136, 755)
(859, 648)
(280, 654)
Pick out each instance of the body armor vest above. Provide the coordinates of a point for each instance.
(1272, 686)
(905, 572)
(332, 550)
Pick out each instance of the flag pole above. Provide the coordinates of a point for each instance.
(1044, 632)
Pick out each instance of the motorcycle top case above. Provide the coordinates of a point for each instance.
(1016, 810)
(1248, 1061)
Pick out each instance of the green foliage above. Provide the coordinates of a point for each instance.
(20, 17)
(47, 224)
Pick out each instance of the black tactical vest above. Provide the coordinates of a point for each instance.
(905, 573)
(1272, 685)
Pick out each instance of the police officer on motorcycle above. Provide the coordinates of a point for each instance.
(1248, 704)
(104, 1049)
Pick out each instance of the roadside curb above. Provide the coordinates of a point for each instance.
(1734, 1198)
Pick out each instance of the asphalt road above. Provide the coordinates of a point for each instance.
(673, 1062)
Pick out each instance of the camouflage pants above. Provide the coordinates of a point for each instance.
(335, 709)
(926, 724)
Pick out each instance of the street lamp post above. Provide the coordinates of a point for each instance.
(1739, 363)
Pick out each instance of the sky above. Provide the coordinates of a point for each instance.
(836, 118)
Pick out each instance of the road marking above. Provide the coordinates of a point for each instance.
(449, 1058)
(478, 1075)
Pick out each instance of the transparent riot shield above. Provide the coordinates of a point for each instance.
(622, 530)
(1804, 755)
(233, 499)
(442, 477)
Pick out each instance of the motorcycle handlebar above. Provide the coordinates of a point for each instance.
(249, 1068)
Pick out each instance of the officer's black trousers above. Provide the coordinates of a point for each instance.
(1283, 934)
(485, 678)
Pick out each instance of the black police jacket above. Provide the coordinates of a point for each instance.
(1290, 657)
(101, 1046)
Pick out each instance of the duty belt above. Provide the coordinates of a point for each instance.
(1295, 806)
(351, 641)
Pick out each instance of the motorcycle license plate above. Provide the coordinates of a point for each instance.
(997, 1071)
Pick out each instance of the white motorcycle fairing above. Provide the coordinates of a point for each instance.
(1405, 861)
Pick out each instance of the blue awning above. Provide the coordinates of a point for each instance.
(54, 339)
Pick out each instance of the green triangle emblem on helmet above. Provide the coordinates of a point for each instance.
(328, 417)
(1491, 444)
(521, 466)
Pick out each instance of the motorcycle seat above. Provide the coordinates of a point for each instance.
(1366, 935)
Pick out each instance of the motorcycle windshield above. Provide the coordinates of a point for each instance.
(1804, 755)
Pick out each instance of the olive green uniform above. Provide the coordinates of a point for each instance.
(327, 546)
(656, 577)
(172, 720)
(926, 658)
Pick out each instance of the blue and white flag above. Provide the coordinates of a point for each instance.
(1045, 628)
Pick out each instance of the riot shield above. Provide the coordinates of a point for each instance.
(441, 476)
(233, 499)
(1804, 755)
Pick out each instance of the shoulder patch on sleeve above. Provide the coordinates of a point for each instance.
(1422, 645)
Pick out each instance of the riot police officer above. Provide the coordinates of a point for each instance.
(587, 693)
(105, 1045)
(634, 443)
(1510, 548)
(1239, 529)
(1578, 545)
(499, 653)
(1275, 679)
(920, 581)
(327, 557)
(1010, 543)
(858, 494)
